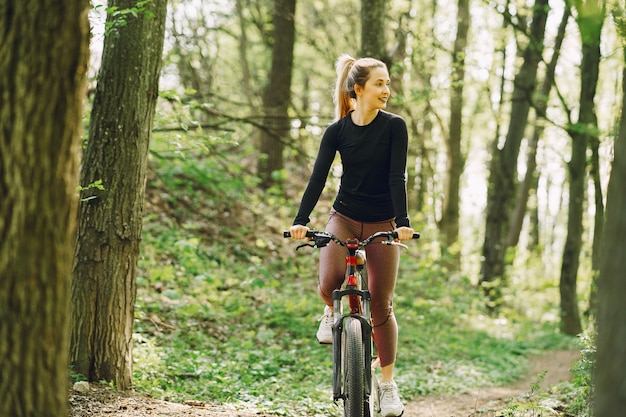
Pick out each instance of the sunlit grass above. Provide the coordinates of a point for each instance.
(242, 332)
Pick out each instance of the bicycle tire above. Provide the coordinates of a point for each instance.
(354, 370)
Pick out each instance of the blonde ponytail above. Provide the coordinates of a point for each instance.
(344, 100)
(351, 71)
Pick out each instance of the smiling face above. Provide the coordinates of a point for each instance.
(375, 93)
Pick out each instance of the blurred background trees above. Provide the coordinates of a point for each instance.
(502, 114)
(511, 108)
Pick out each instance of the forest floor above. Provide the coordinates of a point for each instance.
(100, 400)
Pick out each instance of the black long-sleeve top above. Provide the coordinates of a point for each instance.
(373, 183)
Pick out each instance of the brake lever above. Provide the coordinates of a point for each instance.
(322, 241)
(306, 245)
(394, 243)
(318, 242)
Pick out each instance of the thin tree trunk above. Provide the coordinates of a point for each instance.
(598, 226)
(373, 41)
(449, 223)
(570, 317)
(504, 162)
(541, 105)
(110, 221)
(243, 56)
(421, 171)
(590, 20)
(277, 95)
(44, 49)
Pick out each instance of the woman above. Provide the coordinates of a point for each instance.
(373, 146)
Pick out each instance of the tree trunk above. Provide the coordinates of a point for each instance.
(246, 78)
(43, 62)
(570, 317)
(277, 95)
(449, 223)
(610, 378)
(110, 220)
(541, 104)
(598, 225)
(420, 171)
(590, 20)
(373, 40)
(503, 166)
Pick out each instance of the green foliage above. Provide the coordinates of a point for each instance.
(472, 349)
(530, 406)
(76, 377)
(227, 313)
(581, 391)
(118, 17)
(97, 185)
(573, 398)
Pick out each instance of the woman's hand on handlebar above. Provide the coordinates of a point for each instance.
(298, 231)
(404, 233)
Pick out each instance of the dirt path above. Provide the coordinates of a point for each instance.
(486, 401)
(101, 401)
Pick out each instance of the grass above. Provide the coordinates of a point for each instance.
(226, 312)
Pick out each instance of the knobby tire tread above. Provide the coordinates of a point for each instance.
(354, 370)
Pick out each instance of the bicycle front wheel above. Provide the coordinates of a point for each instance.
(354, 369)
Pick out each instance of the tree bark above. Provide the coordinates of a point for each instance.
(590, 19)
(503, 166)
(44, 50)
(449, 223)
(373, 39)
(277, 95)
(110, 220)
(529, 182)
(610, 378)
(598, 225)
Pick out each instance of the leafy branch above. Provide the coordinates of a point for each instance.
(118, 17)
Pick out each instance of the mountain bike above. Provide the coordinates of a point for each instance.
(354, 356)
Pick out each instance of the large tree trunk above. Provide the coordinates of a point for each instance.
(449, 223)
(277, 95)
(110, 220)
(610, 395)
(503, 167)
(590, 20)
(43, 62)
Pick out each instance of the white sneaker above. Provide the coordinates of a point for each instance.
(325, 331)
(390, 404)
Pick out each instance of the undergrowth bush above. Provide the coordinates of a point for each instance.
(579, 393)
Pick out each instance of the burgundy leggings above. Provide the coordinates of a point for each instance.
(382, 271)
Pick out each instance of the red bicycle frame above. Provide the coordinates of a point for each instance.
(355, 301)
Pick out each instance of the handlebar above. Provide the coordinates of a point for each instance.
(313, 233)
(322, 239)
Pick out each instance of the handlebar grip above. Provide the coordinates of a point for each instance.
(416, 235)
(309, 234)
